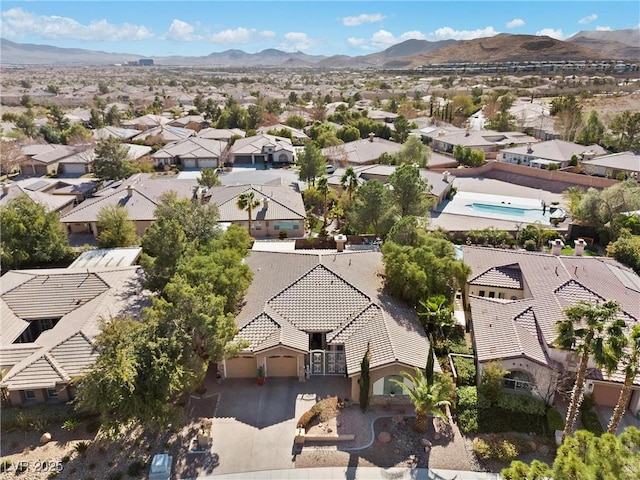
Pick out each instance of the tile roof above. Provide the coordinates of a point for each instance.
(361, 151)
(63, 351)
(556, 150)
(255, 144)
(294, 294)
(503, 276)
(193, 147)
(628, 161)
(506, 328)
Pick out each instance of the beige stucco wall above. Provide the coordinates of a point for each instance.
(507, 292)
(262, 357)
(375, 375)
(16, 397)
(267, 229)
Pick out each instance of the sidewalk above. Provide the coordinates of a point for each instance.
(353, 473)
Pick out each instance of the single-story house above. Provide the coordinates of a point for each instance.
(515, 299)
(281, 209)
(43, 159)
(146, 122)
(298, 135)
(262, 148)
(192, 152)
(51, 203)
(316, 314)
(139, 195)
(192, 122)
(365, 151)
(487, 141)
(121, 133)
(623, 163)
(82, 162)
(559, 152)
(50, 319)
(164, 134)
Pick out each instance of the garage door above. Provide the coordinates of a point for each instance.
(241, 367)
(189, 162)
(606, 395)
(282, 366)
(207, 163)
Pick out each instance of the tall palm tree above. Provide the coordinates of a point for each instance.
(592, 331)
(435, 314)
(349, 182)
(247, 201)
(631, 369)
(427, 399)
(323, 188)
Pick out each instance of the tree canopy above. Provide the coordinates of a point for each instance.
(31, 236)
(409, 191)
(115, 228)
(311, 163)
(112, 160)
(413, 152)
(372, 211)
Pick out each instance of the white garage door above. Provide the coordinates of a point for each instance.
(241, 367)
(189, 162)
(282, 366)
(207, 163)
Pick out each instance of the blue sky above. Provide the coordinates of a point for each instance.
(194, 28)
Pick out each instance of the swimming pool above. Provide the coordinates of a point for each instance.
(527, 210)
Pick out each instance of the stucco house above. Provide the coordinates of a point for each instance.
(515, 299)
(488, 141)
(222, 134)
(192, 152)
(44, 159)
(365, 151)
(139, 194)
(56, 195)
(281, 209)
(50, 318)
(558, 152)
(315, 314)
(623, 163)
(262, 148)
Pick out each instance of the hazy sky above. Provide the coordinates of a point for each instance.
(193, 28)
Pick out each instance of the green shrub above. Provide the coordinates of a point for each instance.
(324, 409)
(468, 420)
(554, 420)
(522, 403)
(498, 420)
(467, 398)
(135, 468)
(81, 447)
(591, 422)
(70, 424)
(466, 370)
(501, 448)
(5, 465)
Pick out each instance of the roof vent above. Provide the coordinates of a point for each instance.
(579, 247)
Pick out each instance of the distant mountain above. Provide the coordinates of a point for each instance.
(621, 44)
(617, 44)
(500, 48)
(31, 54)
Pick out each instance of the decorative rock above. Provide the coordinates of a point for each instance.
(398, 419)
(424, 442)
(427, 449)
(543, 449)
(45, 438)
(329, 430)
(384, 437)
(436, 436)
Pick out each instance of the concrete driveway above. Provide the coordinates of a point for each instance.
(254, 426)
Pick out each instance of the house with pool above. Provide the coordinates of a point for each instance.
(315, 313)
(515, 299)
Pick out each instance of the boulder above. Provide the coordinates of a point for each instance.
(45, 438)
(543, 449)
(384, 437)
(425, 442)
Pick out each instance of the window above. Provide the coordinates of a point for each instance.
(500, 295)
(257, 225)
(390, 387)
(513, 297)
(481, 293)
(29, 394)
(52, 393)
(492, 294)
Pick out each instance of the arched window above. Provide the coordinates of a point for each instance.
(518, 380)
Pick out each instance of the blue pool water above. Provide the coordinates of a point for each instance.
(529, 214)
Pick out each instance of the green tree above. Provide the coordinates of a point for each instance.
(597, 208)
(593, 130)
(590, 330)
(348, 133)
(435, 314)
(631, 362)
(492, 382)
(113, 117)
(372, 212)
(625, 132)
(247, 201)
(414, 152)
(409, 191)
(323, 188)
(364, 380)
(311, 163)
(112, 160)
(115, 227)
(57, 118)
(209, 178)
(428, 371)
(76, 134)
(401, 129)
(296, 121)
(31, 236)
(568, 116)
(499, 117)
(626, 250)
(349, 182)
(26, 124)
(427, 398)
(586, 456)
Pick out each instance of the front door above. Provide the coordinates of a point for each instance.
(317, 362)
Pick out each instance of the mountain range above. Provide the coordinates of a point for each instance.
(586, 45)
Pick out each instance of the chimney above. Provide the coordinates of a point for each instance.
(130, 189)
(371, 136)
(445, 176)
(265, 203)
(556, 246)
(529, 148)
(579, 247)
(5, 188)
(340, 240)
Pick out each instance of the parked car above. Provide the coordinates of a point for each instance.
(161, 467)
(331, 169)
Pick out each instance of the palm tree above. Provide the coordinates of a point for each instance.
(435, 314)
(349, 182)
(427, 399)
(323, 188)
(590, 330)
(247, 201)
(630, 371)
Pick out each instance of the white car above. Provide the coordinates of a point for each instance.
(161, 467)
(331, 169)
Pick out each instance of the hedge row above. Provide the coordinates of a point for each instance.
(522, 404)
(465, 370)
(554, 420)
